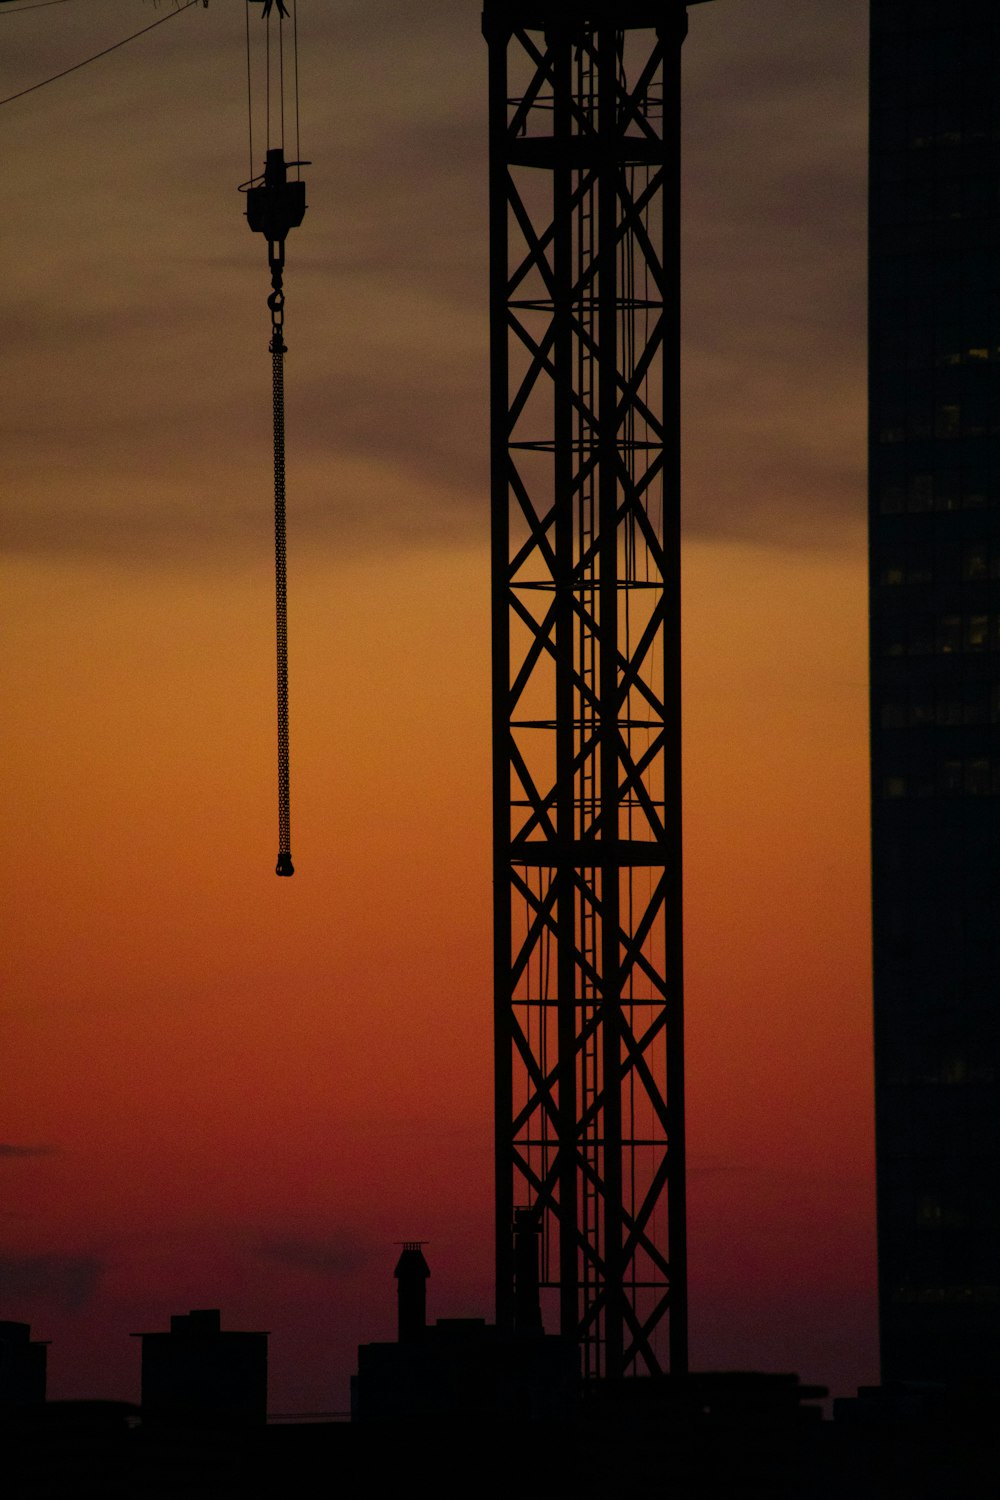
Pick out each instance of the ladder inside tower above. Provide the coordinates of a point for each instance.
(587, 727)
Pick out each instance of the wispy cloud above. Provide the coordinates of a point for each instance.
(140, 419)
(716, 1167)
(67, 1282)
(336, 1255)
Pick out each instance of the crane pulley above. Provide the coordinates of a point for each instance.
(276, 205)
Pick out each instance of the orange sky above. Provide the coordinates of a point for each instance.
(221, 1088)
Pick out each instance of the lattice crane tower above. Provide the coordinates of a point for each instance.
(584, 103)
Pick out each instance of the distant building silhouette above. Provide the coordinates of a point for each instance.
(200, 1373)
(460, 1368)
(935, 680)
(23, 1363)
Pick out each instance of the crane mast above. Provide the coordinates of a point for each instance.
(584, 107)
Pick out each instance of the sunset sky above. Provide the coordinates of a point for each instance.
(225, 1089)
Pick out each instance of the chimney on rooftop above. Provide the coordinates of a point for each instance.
(411, 1273)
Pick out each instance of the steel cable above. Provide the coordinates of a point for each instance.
(103, 53)
(274, 206)
(284, 865)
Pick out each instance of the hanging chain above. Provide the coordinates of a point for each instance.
(276, 303)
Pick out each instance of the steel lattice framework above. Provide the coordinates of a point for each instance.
(584, 216)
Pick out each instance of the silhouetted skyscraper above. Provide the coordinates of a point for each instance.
(935, 679)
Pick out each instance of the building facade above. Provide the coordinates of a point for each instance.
(23, 1366)
(204, 1374)
(935, 680)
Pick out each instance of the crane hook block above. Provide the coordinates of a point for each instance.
(284, 865)
(276, 205)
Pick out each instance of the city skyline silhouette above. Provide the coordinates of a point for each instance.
(226, 1094)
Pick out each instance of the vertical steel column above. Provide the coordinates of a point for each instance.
(672, 37)
(558, 41)
(584, 223)
(500, 666)
(609, 173)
